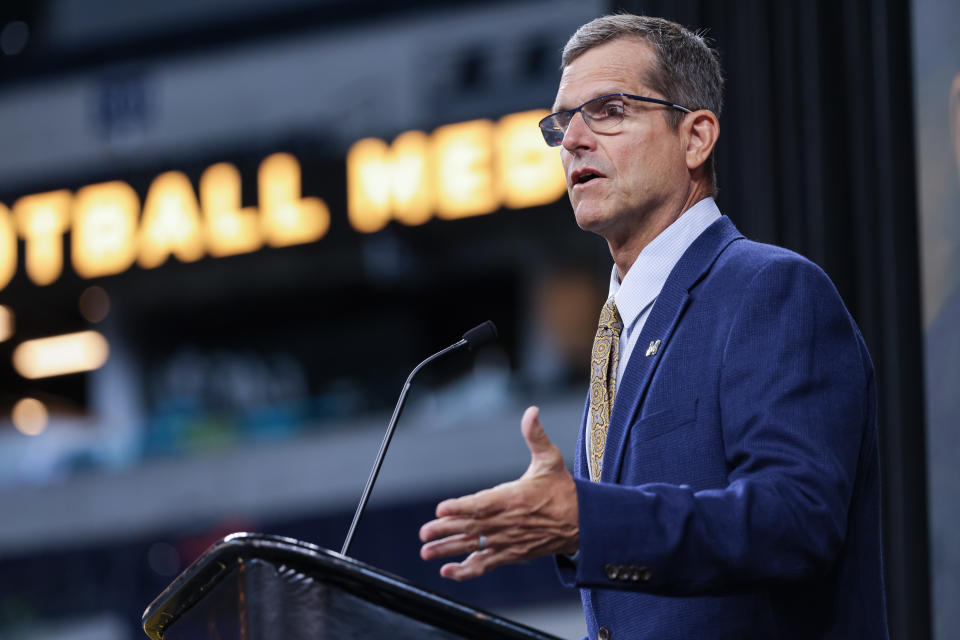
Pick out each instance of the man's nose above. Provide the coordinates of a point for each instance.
(578, 134)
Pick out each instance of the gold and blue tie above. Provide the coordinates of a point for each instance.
(603, 382)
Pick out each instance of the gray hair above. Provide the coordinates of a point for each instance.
(687, 70)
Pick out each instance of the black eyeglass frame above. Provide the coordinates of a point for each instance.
(550, 133)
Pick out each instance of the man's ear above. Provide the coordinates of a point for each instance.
(702, 129)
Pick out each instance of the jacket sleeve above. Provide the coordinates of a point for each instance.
(795, 400)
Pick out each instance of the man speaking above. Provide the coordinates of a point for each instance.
(726, 481)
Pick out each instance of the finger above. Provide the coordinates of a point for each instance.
(472, 566)
(482, 504)
(456, 545)
(447, 526)
(475, 565)
(455, 506)
(466, 543)
(536, 438)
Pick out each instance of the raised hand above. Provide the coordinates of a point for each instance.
(532, 516)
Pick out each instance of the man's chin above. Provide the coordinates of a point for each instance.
(593, 221)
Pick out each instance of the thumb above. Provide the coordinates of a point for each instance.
(536, 438)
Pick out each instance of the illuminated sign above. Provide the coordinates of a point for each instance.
(109, 232)
(459, 170)
(464, 169)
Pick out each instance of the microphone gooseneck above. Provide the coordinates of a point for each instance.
(473, 339)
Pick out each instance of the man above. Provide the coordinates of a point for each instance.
(726, 482)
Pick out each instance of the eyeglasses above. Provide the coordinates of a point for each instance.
(602, 114)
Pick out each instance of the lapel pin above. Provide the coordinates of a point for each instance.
(653, 348)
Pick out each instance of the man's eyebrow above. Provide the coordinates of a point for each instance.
(607, 92)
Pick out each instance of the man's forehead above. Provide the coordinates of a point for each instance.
(613, 67)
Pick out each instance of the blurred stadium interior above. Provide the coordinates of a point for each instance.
(255, 217)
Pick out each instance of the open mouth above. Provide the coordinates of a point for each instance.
(584, 176)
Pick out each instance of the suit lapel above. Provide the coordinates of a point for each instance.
(666, 313)
(580, 468)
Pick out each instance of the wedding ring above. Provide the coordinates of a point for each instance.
(481, 542)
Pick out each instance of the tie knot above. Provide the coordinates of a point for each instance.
(610, 317)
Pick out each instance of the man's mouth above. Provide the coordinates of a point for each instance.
(584, 176)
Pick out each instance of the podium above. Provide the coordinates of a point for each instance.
(251, 586)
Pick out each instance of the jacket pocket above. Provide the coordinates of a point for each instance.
(663, 422)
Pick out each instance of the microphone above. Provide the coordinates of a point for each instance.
(473, 339)
(478, 336)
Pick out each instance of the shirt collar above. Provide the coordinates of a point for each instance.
(649, 272)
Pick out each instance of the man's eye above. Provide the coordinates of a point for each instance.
(608, 109)
(613, 109)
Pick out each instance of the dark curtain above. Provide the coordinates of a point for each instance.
(816, 154)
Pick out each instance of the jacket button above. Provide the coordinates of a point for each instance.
(612, 571)
(644, 574)
(603, 633)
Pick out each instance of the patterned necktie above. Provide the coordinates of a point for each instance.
(603, 382)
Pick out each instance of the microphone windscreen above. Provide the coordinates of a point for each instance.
(480, 335)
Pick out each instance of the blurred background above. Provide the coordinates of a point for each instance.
(228, 230)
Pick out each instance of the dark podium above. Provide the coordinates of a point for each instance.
(259, 587)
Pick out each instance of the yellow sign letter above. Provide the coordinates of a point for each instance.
(104, 235)
(42, 219)
(230, 229)
(462, 160)
(389, 183)
(171, 222)
(368, 185)
(528, 171)
(8, 247)
(287, 218)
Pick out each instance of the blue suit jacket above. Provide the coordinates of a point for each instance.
(739, 496)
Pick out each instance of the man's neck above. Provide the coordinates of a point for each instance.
(625, 250)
